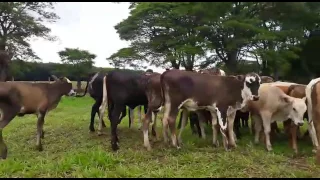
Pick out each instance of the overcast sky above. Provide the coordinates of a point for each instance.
(88, 26)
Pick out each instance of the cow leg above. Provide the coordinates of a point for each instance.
(6, 118)
(180, 120)
(115, 118)
(200, 124)
(94, 110)
(252, 126)
(199, 128)
(154, 126)
(231, 118)
(139, 117)
(257, 127)
(167, 110)
(131, 117)
(237, 125)
(103, 124)
(102, 109)
(266, 118)
(313, 136)
(145, 129)
(40, 123)
(215, 141)
(246, 119)
(172, 125)
(184, 119)
(293, 130)
(317, 131)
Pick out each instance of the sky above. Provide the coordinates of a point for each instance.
(88, 26)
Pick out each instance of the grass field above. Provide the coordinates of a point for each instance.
(71, 151)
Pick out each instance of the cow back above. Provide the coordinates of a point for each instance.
(203, 88)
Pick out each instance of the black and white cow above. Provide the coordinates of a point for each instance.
(94, 87)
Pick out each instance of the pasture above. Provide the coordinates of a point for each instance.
(71, 151)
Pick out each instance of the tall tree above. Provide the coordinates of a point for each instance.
(81, 61)
(20, 21)
(164, 33)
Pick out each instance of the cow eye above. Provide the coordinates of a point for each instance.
(294, 109)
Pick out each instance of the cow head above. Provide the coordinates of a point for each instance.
(251, 84)
(297, 109)
(66, 85)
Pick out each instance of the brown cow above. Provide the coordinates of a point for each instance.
(312, 94)
(20, 98)
(154, 96)
(220, 95)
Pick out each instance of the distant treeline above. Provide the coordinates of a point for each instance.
(38, 71)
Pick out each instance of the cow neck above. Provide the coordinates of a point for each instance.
(234, 87)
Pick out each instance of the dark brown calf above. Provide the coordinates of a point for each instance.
(220, 95)
(20, 98)
(154, 96)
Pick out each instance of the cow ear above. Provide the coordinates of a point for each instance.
(287, 99)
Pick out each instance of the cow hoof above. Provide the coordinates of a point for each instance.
(91, 129)
(39, 148)
(216, 144)
(4, 151)
(178, 147)
(232, 146)
(269, 149)
(314, 150)
(100, 133)
(115, 146)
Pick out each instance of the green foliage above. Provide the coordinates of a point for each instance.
(20, 21)
(33, 71)
(81, 61)
(185, 33)
(126, 56)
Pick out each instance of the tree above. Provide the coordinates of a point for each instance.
(127, 56)
(184, 33)
(81, 61)
(20, 21)
(163, 33)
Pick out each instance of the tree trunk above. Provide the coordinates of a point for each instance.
(231, 62)
(79, 85)
(264, 69)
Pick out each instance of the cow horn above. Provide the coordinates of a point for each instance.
(55, 77)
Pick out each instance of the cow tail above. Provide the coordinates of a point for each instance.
(110, 103)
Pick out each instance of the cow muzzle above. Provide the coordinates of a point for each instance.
(72, 93)
(299, 123)
(255, 98)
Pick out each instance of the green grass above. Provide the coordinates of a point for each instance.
(71, 151)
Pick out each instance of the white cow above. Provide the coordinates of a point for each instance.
(274, 105)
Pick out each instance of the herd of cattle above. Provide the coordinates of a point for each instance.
(207, 97)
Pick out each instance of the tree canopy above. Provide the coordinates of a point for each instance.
(196, 35)
(21, 21)
(80, 60)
